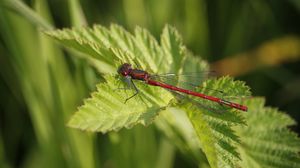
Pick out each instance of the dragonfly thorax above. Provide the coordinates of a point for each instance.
(127, 71)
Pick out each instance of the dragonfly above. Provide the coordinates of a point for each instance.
(131, 74)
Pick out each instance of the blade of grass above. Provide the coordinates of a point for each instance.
(28, 13)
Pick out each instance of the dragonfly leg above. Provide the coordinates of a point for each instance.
(119, 88)
(136, 91)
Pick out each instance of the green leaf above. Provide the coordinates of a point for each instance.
(106, 111)
(214, 127)
(141, 49)
(173, 48)
(113, 47)
(267, 141)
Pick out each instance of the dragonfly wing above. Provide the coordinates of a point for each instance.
(193, 84)
(190, 79)
(191, 76)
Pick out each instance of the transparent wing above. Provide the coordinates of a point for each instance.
(190, 81)
(197, 77)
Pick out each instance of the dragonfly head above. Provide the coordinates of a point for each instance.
(124, 69)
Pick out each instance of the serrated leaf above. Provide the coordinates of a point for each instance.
(106, 111)
(266, 141)
(141, 49)
(213, 127)
(173, 48)
(115, 46)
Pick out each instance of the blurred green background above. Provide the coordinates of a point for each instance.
(41, 83)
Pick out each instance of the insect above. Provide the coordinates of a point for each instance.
(131, 74)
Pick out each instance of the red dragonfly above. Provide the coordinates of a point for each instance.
(130, 73)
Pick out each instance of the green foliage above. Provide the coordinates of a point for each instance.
(112, 47)
(106, 110)
(115, 45)
(211, 123)
(213, 126)
(41, 85)
(266, 140)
